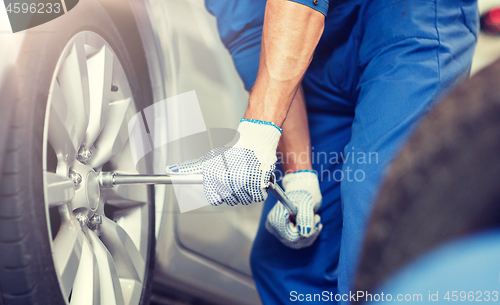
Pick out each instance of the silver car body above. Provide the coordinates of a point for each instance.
(206, 250)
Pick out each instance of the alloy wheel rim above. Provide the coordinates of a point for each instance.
(99, 236)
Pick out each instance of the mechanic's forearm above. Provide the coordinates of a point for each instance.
(290, 35)
(295, 145)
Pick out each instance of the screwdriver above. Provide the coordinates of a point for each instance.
(110, 179)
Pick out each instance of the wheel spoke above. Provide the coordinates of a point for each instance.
(127, 257)
(86, 288)
(62, 130)
(125, 196)
(73, 78)
(59, 189)
(131, 290)
(67, 253)
(110, 290)
(114, 135)
(100, 70)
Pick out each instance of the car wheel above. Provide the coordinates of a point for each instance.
(64, 239)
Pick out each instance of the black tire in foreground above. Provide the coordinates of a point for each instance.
(27, 270)
(444, 184)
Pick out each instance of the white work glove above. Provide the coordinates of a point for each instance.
(302, 188)
(237, 174)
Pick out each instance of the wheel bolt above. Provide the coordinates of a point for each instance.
(96, 220)
(76, 177)
(84, 155)
(82, 219)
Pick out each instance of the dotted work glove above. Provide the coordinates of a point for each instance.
(302, 188)
(237, 174)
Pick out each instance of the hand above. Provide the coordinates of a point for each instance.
(237, 174)
(303, 189)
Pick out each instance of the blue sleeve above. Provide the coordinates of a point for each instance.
(319, 5)
(240, 28)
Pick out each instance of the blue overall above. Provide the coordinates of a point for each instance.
(379, 66)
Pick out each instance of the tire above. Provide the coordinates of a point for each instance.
(30, 228)
(443, 185)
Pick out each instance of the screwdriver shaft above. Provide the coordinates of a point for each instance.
(157, 179)
(110, 179)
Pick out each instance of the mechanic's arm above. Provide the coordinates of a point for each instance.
(290, 35)
(295, 144)
(240, 174)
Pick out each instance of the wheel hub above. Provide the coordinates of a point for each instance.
(88, 191)
(93, 190)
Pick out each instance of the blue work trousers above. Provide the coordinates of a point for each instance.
(379, 67)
